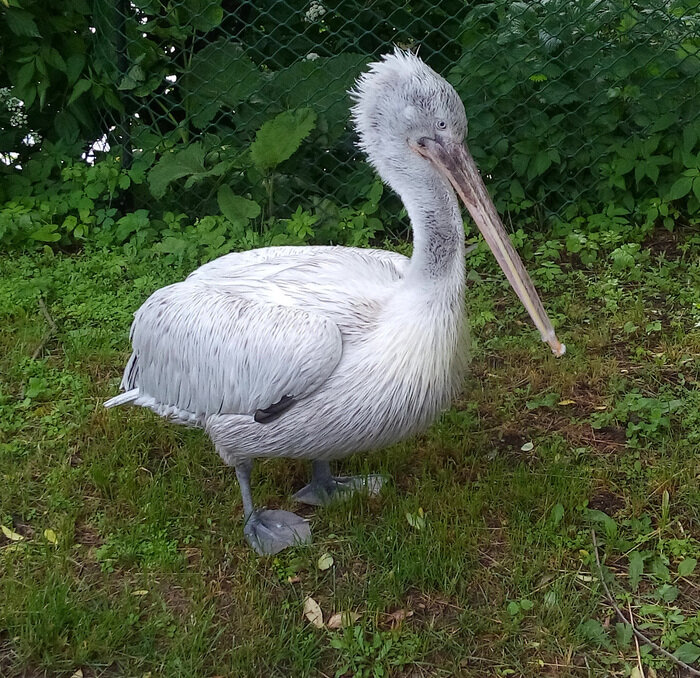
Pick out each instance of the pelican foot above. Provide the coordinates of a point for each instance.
(269, 532)
(322, 492)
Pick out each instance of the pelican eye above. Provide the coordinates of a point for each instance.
(441, 124)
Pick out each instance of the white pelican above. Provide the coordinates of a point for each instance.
(319, 352)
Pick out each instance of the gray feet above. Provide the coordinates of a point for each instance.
(324, 490)
(269, 532)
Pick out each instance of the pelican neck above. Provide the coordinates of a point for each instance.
(438, 233)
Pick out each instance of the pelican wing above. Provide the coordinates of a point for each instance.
(203, 350)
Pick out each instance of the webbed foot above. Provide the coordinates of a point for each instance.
(271, 531)
(325, 490)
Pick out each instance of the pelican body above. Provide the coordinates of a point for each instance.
(319, 352)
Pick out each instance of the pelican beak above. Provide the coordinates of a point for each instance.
(456, 164)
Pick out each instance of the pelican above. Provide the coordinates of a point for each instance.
(319, 352)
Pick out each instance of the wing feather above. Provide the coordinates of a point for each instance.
(204, 350)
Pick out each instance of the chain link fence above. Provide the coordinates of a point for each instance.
(575, 108)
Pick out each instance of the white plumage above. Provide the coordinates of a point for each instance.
(330, 327)
(319, 352)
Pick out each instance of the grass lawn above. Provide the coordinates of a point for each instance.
(122, 554)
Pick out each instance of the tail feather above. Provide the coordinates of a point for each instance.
(123, 398)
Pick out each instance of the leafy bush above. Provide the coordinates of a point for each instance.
(583, 118)
(577, 107)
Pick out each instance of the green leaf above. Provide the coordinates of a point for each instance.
(574, 242)
(210, 18)
(696, 188)
(680, 188)
(278, 138)
(652, 171)
(668, 593)
(660, 570)
(24, 76)
(593, 630)
(688, 653)
(556, 514)
(80, 88)
(174, 166)
(21, 23)
(53, 58)
(516, 191)
(623, 634)
(132, 79)
(608, 523)
(36, 386)
(220, 75)
(74, 67)
(636, 569)
(235, 207)
(690, 136)
(520, 163)
(47, 233)
(540, 164)
(41, 89)
(686, 567)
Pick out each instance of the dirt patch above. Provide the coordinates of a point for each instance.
(438, 612)
(512, 441)
(579, 432)
(606, 501)
(176, 600)
(87, 536)
(665, 242)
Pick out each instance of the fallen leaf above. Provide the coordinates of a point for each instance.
(140, 592)
(325, 561)
(585, 577)
(12, 547)
(396, 617)
(416, 520)
(50, 536)
(10, 534)
(312, 611)
(527, 447)
(601, 407)
(342, 620)
(78, 674)
(566, 402)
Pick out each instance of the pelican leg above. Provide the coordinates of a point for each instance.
(267, 531)
(325, 488)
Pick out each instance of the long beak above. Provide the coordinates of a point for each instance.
(457, 165)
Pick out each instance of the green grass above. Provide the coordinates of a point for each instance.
(150, 575)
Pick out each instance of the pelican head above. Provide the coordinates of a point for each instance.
(399, 101)
(411, 124)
